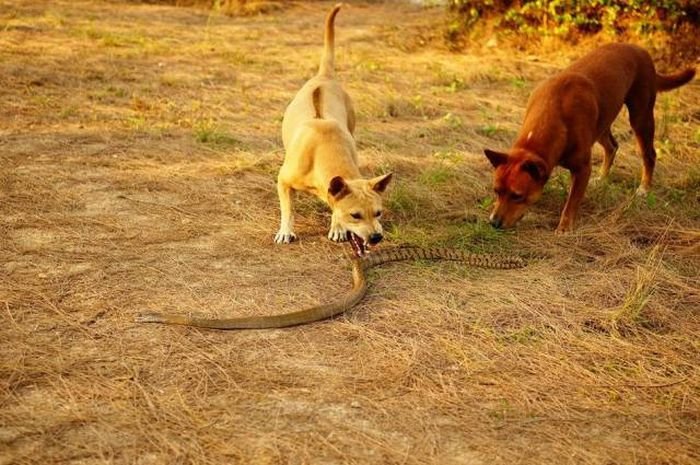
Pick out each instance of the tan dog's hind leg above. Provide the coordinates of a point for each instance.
(579, 182)
(610, 146)
(285, 235)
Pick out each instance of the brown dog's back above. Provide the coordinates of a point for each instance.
(617, 71)
(610, 76)
(624, 73)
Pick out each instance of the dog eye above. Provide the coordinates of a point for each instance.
(517, 198)
(357, 216)
(378, 214)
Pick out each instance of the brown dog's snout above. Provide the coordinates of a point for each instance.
(496, 220)
(375, 238)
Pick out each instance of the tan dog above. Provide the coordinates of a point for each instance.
(317, 132)
(566, 115)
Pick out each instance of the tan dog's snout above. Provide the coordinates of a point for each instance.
(375, 238)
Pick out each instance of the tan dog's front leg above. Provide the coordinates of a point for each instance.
(285, 235)
(337, 233)
(579, 182)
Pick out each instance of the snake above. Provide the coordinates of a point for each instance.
(360, 265)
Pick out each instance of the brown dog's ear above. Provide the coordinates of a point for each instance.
(496, 158)
(380, 183)
(338, 188)
(537, 169)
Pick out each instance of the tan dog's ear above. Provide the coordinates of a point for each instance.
(380, 183)
(338, 188)
(496, 158)
(535, 168)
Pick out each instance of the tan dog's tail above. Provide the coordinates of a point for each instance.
(671, 81)
(328, 59)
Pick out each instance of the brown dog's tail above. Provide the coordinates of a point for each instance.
(671, 81)
(328, 59)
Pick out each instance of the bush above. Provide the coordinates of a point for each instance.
(669, 28)
(570, 17)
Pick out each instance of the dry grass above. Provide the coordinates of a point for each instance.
(139, 146)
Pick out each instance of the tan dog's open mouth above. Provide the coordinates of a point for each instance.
(357, 243)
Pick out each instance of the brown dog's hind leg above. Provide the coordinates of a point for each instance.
(579, 182)
(642, 121)
(610, 146)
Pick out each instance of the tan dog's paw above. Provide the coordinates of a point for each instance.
(338, 234)
(285, 237)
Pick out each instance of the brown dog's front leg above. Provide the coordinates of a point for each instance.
(579, 182)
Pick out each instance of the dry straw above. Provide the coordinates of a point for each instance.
(138, 152)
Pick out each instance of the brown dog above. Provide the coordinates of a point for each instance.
(566, 115)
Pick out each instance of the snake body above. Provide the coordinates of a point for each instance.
(347, 301)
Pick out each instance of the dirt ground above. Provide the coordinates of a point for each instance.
(138, 151)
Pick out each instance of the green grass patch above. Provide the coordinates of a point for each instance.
(112, 38)
(486, 203)
(238, 57)
(136, 123)
(605, 193)
(368, 65)
(403, 201)
(450, 81)
(478, 237)
(120, 92)
(493, 131)
(208, 131)
(558, 185)
(68, 112)
(692, 179)
(407, 234)
(451, 156)
(518, 82)
(453, 121)
(45, 101)
(436, 176)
